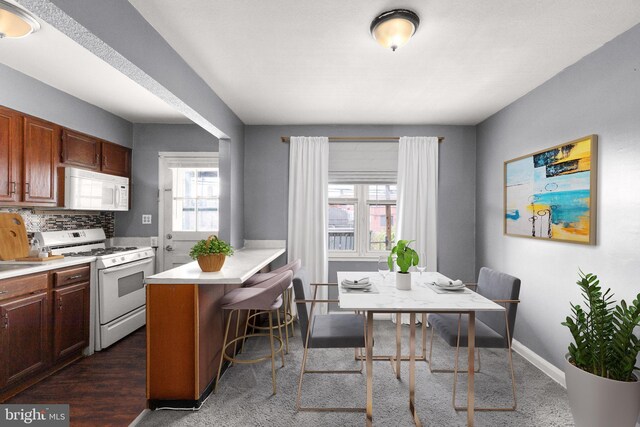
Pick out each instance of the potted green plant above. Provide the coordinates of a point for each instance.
(405, 257)
(211, 253)
(599, 368)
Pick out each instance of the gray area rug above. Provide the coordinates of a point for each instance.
(244, 397)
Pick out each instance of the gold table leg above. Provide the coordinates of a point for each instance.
(471, 342)
(412, 369)
(398, 344)
(369, 344)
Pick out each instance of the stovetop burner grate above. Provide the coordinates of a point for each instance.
(102, 251)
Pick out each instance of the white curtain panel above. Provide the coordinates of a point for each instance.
(418, 196)
(308, 202)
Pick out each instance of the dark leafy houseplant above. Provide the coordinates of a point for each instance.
(604, 341)
(405, 256)
(212, 245)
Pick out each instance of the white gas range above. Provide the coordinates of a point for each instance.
(119, 299)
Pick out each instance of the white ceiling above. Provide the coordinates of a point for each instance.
(55, 59)
(306, 62)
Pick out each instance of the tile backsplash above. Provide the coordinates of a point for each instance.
(42, 220)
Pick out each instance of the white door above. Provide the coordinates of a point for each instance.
(189, 205)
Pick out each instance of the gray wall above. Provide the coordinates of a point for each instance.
(148, 141)
(25, 94)
(266, 186)
(597, 95)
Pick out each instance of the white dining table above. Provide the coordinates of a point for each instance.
(421, 299)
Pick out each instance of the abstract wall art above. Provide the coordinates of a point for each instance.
(551, 194)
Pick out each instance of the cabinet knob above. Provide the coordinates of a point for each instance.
(27, 188)
(60, 303)
(104, 160)
(5, 320)
(13, 188)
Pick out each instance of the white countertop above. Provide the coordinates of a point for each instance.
(29, 268)
(420, 298)
(236, 269)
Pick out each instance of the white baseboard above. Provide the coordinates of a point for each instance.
(551, 370)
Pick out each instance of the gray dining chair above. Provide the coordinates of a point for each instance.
(333, 330)
(493, 329)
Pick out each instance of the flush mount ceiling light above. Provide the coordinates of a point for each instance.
(394, 28)
(16, 22)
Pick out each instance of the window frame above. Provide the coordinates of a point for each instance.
(362, 223)
(197, 197)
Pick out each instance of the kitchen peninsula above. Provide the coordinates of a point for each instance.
(185, 325)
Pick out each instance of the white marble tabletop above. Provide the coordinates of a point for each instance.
(420, 298)
(236, 269)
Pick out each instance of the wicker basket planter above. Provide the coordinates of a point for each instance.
(212, 262)
(211, 253)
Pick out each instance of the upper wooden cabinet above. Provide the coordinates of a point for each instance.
(116, 159)
(34, 152)
(40, 154)
(80, 150)
(10, 155)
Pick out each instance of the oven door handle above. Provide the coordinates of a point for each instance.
(125, 267)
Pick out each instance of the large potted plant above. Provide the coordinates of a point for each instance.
(211, 253)
(599, 369)
(405, 257)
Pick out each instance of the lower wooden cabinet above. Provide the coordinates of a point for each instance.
(70, 319)
(42, 327)
(24, 343)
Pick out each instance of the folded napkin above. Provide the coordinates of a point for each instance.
(446, 282)
(363, 281)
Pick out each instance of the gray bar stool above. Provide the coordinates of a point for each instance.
(267, 298)
(259, 280)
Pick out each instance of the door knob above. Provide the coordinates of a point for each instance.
(168, 248)
(169, 236)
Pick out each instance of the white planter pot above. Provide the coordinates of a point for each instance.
(403, 281)
(597, 401)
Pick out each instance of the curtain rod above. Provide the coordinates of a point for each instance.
(360, 138)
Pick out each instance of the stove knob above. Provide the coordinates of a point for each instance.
(121, 258)
(113, 261)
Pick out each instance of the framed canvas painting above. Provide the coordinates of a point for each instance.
(551, 194)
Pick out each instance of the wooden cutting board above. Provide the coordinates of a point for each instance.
(13, 237)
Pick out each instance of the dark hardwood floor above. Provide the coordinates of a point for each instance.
(105, 389)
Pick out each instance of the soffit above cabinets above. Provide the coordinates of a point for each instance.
(315, 62)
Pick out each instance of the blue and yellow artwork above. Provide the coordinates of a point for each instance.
(551, 194)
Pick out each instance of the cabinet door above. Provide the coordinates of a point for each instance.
(23, 337)
(80, 150)
(41, 141)
(116, 159)
(10, 155)
(70, 320)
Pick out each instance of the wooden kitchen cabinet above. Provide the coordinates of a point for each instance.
(44, 325)
(80, 150)
(40, 153)
(116, 159)
(10, 155)
(24, 332)
(70, 320)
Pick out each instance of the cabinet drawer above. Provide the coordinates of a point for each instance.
(14, 287)
(71, 275)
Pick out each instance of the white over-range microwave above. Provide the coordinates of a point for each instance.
(87, 190)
